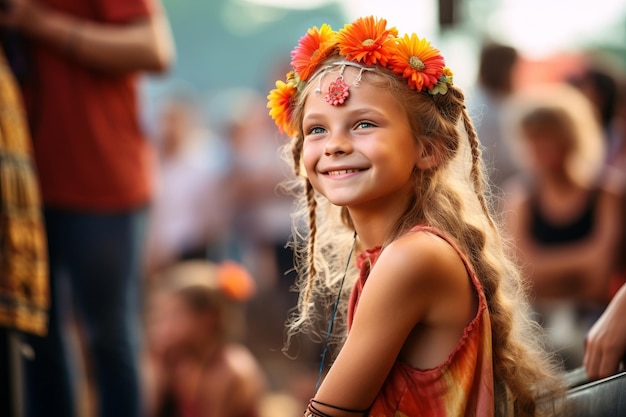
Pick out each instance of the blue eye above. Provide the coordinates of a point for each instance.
(364, 125)
(316, 130)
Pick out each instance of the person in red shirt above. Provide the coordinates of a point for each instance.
(93, 163)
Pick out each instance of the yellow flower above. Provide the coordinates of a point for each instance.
(280, 103)
(367, 40)
(417, 61)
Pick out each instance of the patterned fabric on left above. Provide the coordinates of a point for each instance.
(24, 293)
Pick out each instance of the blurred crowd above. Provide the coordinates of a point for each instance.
(555, 149)
(169, 273)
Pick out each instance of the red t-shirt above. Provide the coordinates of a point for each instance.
(89, 148)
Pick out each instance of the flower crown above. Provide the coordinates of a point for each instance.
(367, 42)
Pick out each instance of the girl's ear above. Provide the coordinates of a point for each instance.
(426, 158)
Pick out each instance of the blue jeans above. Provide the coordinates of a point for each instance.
(97, 257)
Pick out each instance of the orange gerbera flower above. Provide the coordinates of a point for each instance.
(417, 61)
(312, 48)
(280, 103)
(367, 40)
(235, 281)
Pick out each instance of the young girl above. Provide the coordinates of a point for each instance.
(194, 367)
(387, 156)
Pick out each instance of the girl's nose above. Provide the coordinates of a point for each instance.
(338, 144)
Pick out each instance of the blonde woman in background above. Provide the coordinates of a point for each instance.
(563, 213)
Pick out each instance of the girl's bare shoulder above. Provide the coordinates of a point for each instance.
(424, 258)
(418, 278)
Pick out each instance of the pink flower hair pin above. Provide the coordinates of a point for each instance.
(338, 90)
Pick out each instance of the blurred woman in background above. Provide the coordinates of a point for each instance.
(563, 214)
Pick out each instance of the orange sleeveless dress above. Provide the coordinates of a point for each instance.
(461, 386)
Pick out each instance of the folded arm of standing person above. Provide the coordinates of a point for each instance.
(579, 270)
(142, 45)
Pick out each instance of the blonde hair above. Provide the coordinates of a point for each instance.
(565, 108)
(450, 197)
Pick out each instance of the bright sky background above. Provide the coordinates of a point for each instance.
(406, 17)
(537, 28)
(557, 24)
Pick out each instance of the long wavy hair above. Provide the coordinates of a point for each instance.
(450, 197)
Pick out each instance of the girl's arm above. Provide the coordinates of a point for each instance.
(142, 45)
(413, 274)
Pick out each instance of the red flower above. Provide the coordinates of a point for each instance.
(312, 48)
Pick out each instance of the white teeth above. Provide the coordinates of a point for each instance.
(342, 171)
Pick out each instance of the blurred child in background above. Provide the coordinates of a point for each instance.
(194, 365)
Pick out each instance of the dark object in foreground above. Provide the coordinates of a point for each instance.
(602, 398)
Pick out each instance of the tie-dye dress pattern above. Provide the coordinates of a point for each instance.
(462, 386)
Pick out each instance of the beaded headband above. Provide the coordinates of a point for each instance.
(338, 90)
(364, 43)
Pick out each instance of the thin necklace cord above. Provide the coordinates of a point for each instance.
(331, 324)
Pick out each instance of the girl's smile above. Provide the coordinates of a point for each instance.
(342, 173)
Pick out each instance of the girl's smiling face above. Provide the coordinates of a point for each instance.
(360, 154)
